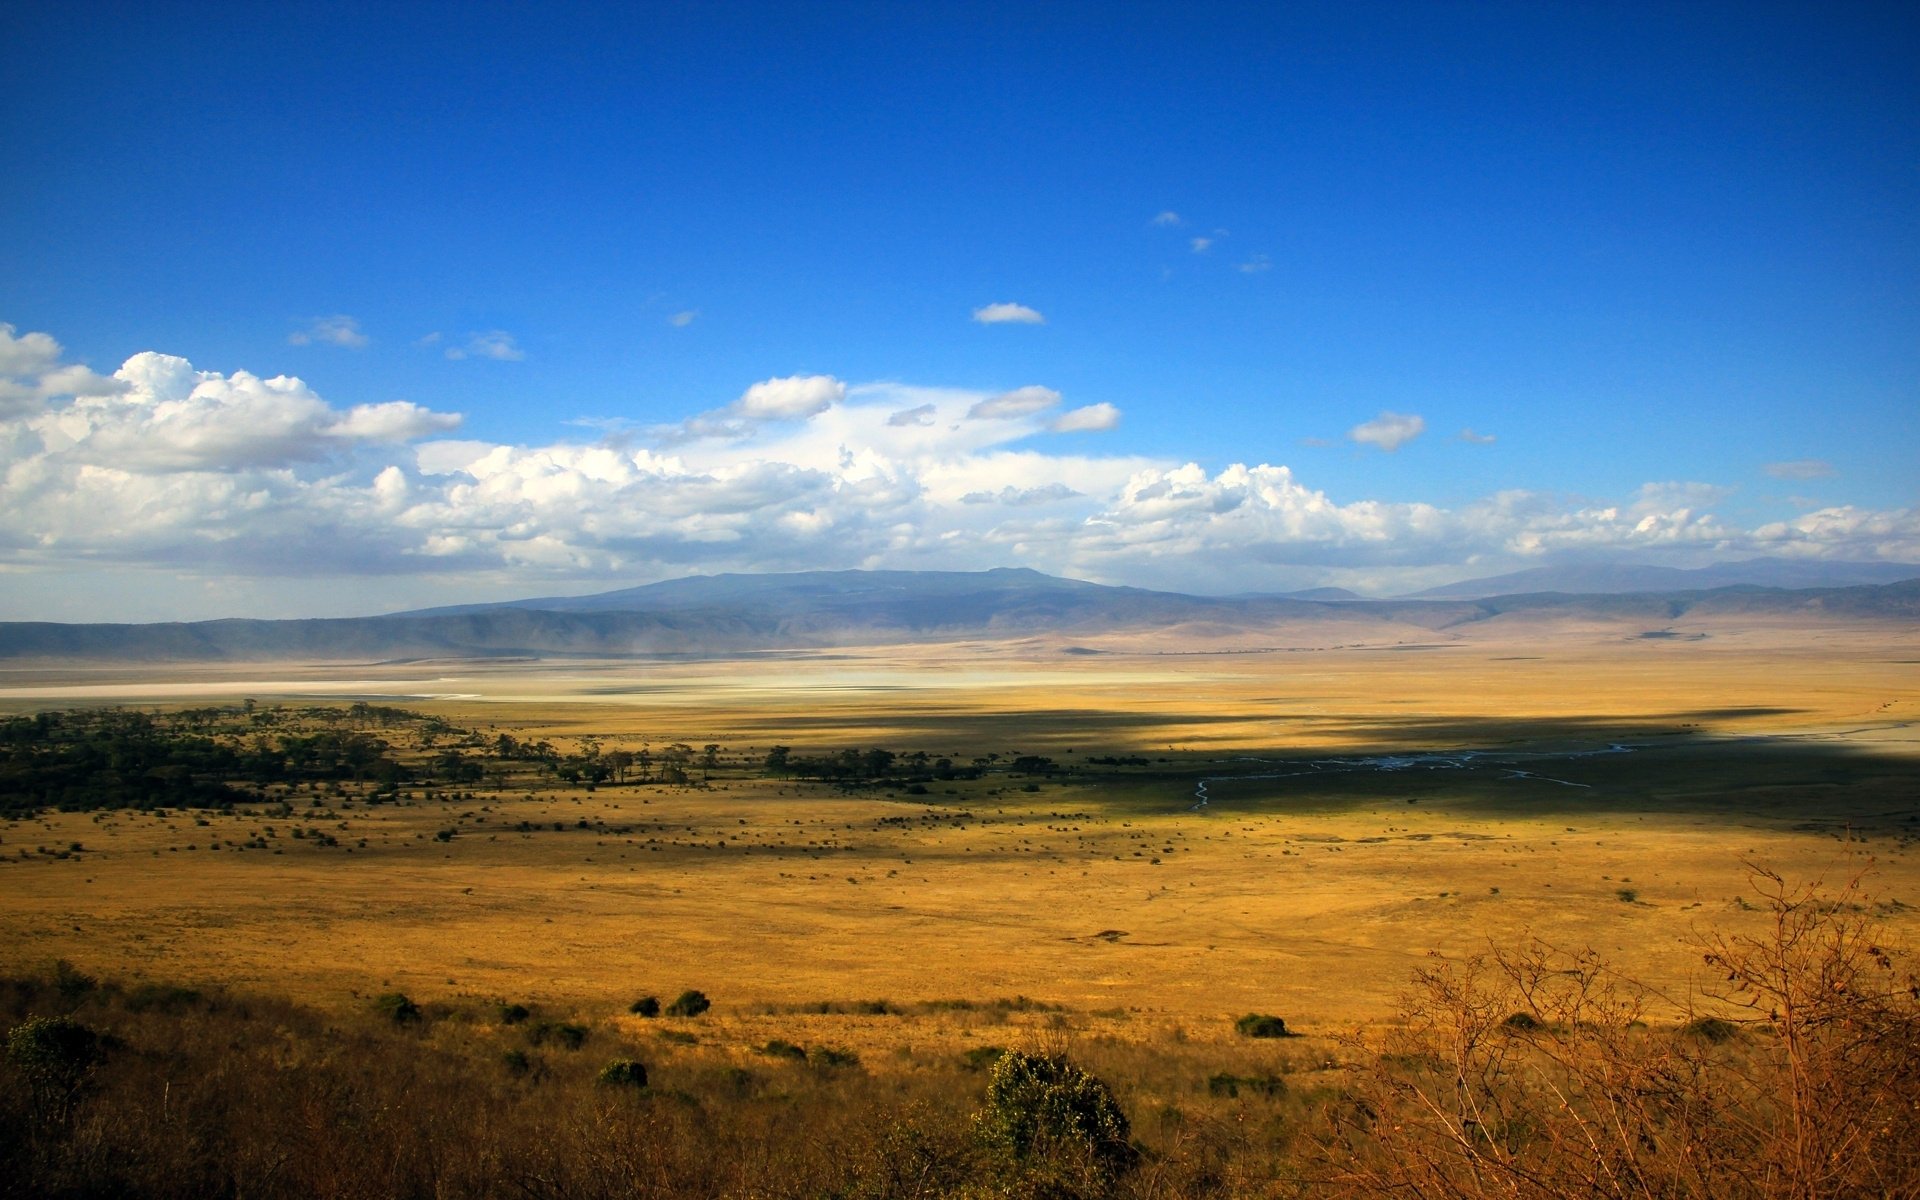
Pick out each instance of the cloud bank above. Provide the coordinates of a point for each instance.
(165, 466)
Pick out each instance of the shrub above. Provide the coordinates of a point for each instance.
(1522, 1021)
(513, 1014)
(827, 1056)
(982, 1057)
(397, 1007)
(1261, 1025)
(567, 1034)
(778, 1048)
(56, 1055)
(516, 1062)
(1043, 1111)
(689, 1003)
(1711, 1029)
(645, 1006)
(623, 1072)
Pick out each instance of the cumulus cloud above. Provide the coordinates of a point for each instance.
(1020, 402)
(919, 414)
(1801, 468)
(1052, 493)
(788, 398)
(1092, 418)
(1477, 439)
(496, 344)
(1200, 245)
(1008, 314)
(235, 476)
(1166, 218)
(338, 330)
(1389, 430)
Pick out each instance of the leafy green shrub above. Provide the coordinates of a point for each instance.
(779, 1048)
(564, 1033)
(622, 1072)
(55, 1055)
(1043, 1111)
(827, 1056)
(982, 1057)
(1711, 1029)
(645, 1006)
(397, 1007)
(689, 1003)
(1261, 1025)
(513, 1014)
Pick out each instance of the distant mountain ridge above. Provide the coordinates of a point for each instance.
(724, 615)
(1608, 579)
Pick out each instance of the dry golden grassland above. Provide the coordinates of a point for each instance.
(1311, 884)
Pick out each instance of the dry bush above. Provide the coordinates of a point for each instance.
(1531, 1073)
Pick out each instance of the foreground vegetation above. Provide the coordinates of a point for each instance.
(1525, 1072)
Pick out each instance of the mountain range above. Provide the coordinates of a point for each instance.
(722, 615)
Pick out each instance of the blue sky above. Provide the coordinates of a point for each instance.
(513, 271)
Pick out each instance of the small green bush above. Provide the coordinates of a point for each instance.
(513, 1014)
(1711, 1029)
(1042, 1109)
(689, 1003)
(623, 1072)
(980, 1058)
(563, 1033)
(827, 1056)
(1261, 1025)
(645, 1006)
(56, 1055)
(397, 1007)
(779, 1048)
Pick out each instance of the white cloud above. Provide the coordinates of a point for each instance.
(339, 330)
(1255, 264)
(238, 478)
(1478, 439)
(1389, 430)
(430, 339)
(27, 354)
(789, 399)
(1092, 418)
(1201, 245)
(681, 320)
(1052, 493)
(1020, 402)
(1008, 314)
(31, 374)
(496, 344)
(1168, 217)
(1801, 468)
(919, 414)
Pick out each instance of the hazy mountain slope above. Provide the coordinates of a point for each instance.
(1599, 579)
(725, 615)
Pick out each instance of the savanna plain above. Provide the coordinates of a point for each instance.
(1548, 916)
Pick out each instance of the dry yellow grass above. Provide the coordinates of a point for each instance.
(1314, 900)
